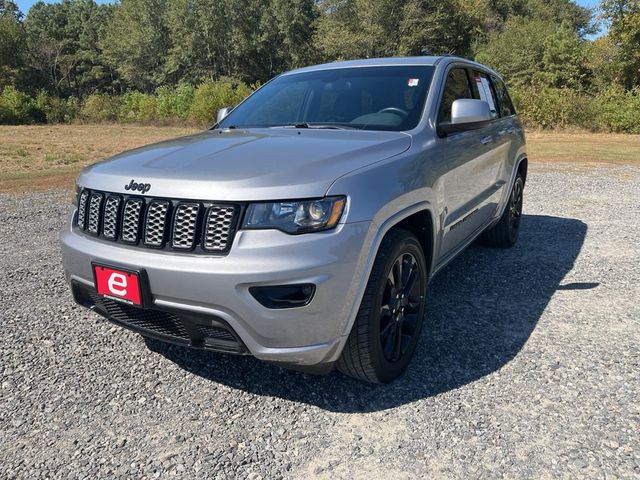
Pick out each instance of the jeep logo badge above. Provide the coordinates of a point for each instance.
(140, 187)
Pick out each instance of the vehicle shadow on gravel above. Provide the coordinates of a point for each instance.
(482, 308)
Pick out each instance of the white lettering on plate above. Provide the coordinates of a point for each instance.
(118, 284)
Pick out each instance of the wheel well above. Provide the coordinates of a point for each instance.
(522, 169)
(421, 225)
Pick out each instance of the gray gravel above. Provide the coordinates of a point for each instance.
(528, 367)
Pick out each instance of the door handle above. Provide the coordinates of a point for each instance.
(487, 139)
(509, 130)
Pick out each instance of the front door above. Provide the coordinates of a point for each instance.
(468, 187)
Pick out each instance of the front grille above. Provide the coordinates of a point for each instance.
(155, 224)
(185, 223)
(158, 222)
(82, 209)
(218, 228)
(131, 220)
(110, 219)
(95, 207)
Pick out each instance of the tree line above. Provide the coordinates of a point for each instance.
(150, 59)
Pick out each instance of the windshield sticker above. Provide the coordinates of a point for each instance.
(413, 82)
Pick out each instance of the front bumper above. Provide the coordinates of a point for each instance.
(209, 289)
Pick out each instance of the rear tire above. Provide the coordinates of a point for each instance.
(504, 234)
(387, 327)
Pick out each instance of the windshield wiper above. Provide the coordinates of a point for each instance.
(328, 126)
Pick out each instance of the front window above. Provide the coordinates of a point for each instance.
(366, 98)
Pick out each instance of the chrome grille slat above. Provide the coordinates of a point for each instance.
(219, 227)
(110, 219)
(131, 220)
(82, 208)
(185, 224)
(95, 206)
(155, 224)
(163, 223)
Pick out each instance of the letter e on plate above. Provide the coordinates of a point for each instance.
(117, 284)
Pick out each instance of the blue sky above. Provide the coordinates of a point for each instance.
(26, 4)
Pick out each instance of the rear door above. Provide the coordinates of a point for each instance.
(508, 132)
(470, 158)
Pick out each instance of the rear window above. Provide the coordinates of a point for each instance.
(506, 106)
(483, 90)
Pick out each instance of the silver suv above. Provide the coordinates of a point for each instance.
(304, 227)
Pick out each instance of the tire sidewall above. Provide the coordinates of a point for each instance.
(514, 231)
(387, 371)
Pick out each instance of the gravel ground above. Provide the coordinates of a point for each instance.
(528, 366)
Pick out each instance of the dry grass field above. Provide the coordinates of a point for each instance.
(50, 156)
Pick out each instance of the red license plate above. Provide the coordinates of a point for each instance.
(118, 284)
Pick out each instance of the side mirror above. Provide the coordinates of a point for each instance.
(223, 112)
(466, 110)
(466, 114)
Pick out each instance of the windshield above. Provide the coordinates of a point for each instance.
(367, 98)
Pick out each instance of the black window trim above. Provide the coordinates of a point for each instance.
(444, 87)
(493, 78)
(468, 67)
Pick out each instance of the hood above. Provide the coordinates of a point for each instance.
(238, 165)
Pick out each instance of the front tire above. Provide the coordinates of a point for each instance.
(387, 327)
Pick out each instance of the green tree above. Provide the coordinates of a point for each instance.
(136, 43)
(518, 50)
(272, 36)
(359, 28)
(563, 59)
(200, 33)
(63, 45)
(12, 44)
(558, 11)
(604, 63)
(623, 17)
(435, 27)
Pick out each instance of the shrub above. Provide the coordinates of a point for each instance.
(63, 110)
(137, 107)
(619, 109)
(17, 107)
(99, 107)
(55, 109)
(548, 107)
(212, 96)
(175, 103)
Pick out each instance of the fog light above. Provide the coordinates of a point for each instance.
(284, 296)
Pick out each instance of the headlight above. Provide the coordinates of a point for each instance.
(296, 216)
